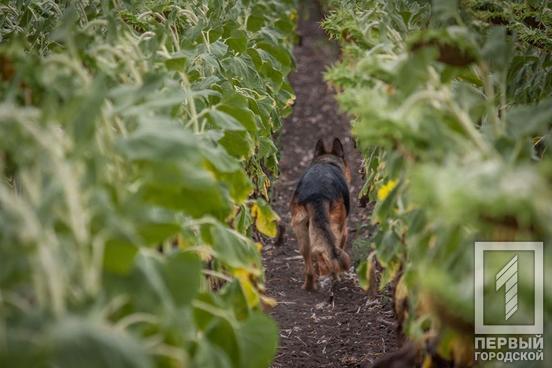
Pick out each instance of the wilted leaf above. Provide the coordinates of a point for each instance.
(249, 291)
(366, 272)
(266, 220)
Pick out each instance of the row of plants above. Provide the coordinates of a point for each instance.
(136, 155)
(452, 110)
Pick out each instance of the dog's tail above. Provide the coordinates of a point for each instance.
(322, 239)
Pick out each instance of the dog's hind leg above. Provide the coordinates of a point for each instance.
(302, 233)
(299, 223)
(338, 224)
(344, 237)
(338, 221)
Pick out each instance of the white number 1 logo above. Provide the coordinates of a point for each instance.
(508, 277)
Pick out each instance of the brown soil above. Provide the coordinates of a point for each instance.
(356, 329)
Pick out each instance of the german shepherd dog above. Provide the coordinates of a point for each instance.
(319, 210)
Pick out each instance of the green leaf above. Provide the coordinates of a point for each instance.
(211, 199)
(233, 295)
(498, 48)
(182, 273)
(244, 116)
(277, 52)
(258, 341)
(220, 159)
(119, 256)
(203, 318)
(238, 40)
(78, 342)
(255, 22)
(362, 274)
(148, 271)
(233, 249)
(267, 148)
(178, 175)
(389, 247)
(223, 120)
(87, 111)
(444, 10)
(155, 232)
(413, 72)
(243, 220)
(209, 355)
(366, 272)
(238, 143)
(239, 185)
(529, 120)
(389, 274)
(284, 24)
(222, 334)
(176, 63)
(160, 142)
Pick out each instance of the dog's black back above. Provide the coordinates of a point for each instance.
(323, 181)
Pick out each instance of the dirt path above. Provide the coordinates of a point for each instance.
(357, 329)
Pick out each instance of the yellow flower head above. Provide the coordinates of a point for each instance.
(384, 191)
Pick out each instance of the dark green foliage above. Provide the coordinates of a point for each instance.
(129, 126)
(452, 109)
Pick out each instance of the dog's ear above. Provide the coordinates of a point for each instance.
(319, 149)
(337, 148)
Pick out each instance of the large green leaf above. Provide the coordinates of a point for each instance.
(258, 341)
(119, 256)
(530, 120)
(222, 334)
(209, 355)
(160, 142)
(89, 344)
(233, 248)
(238, 40)
(182, 273)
